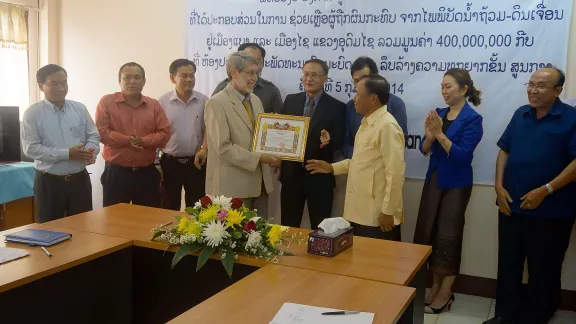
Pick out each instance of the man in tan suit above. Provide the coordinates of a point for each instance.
(376, 171)
(233, 170)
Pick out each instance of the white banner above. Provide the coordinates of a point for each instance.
(501, 42)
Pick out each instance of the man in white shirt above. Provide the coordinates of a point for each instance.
(184, 108)
(376, 171)
(62, 138)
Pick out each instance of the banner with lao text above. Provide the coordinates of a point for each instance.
(501, 43)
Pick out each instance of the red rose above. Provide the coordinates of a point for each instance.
(250, 226)
(236, 203)
(205, 201)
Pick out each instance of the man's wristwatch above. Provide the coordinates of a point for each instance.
(549, 188)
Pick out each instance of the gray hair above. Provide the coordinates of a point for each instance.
(239, 61)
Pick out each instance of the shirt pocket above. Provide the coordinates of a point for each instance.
(79, 131)
(365, 152)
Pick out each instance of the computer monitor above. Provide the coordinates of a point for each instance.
(9, 134)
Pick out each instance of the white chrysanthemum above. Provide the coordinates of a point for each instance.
(255, 219)
(198, 205)
(254, 239)
(215, 233)
(224, 202)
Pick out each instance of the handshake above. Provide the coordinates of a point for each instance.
(78, 153)
(272, 160)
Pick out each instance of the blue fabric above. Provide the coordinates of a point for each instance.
(396, 107)
(48, 133)
(455, 169)
(539, 150)
(16, 181)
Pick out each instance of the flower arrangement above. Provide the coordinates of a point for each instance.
(225, 225)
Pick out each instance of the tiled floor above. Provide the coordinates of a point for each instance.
(475, 310)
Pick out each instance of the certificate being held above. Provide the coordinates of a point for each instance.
(281, 135)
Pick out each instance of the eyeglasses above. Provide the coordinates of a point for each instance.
(251, 74)
(537, 87)
(311, 75)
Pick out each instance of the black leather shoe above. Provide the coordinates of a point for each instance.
(497, 320)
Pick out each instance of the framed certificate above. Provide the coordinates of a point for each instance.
(281, 135)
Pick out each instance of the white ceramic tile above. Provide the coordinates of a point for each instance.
(449, 318)
(430, 318)
(475, 298)
(564, 317)
(474, 308)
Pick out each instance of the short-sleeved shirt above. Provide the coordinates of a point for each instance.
(265, 90)
(539, 150)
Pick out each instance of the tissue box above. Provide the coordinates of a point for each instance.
(330, 245)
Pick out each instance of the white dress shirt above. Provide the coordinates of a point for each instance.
(48, 133)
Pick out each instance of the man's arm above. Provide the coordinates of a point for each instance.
(337, 134)
(161, 136)
(32, 143)
(92, 135)
(221, 86)
(502, 195)
(565, 177)
(277, 103)
(342, 167)
(398, 109)
(349, 132)
(103, 123)
(501, 162)
(392, 151)
(219, 134)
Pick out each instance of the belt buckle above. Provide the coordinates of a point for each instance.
(182, 161)
(67, 177)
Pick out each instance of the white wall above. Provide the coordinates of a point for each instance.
(96, 37)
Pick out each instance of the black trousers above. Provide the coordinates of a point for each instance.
(140, 186)
(181, 174)
(57, 197)
(317, 190)
(375, 232)
(543, 242)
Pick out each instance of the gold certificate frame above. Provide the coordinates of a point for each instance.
(281, 135)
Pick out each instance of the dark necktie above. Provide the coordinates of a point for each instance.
(309, 108)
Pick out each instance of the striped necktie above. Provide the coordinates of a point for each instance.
(309, 108)
(248, 107)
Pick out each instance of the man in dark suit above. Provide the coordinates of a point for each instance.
(325, 136)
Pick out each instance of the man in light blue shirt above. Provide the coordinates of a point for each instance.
(62, 138)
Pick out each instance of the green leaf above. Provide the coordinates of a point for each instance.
(228, 262)
(157, 234)
(286, 253)
(204, 256)
(183, 251)
(178, 218)
(189, 210)
(236, 234)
